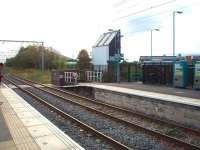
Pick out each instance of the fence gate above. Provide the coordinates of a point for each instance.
(94, 76)
(71, 77)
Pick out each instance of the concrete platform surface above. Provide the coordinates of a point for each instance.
(191, 93)
(143, 93)
(25, 128)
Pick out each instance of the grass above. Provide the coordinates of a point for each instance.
(173, 132)
(32, 74)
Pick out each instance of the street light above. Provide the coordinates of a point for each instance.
(174, 14)
(111, 30)
(152, 39)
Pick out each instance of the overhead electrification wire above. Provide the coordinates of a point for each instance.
(143, 19)
(146, 9)
(150, 16)
(154, 15)
(120, 3)
(131, 6)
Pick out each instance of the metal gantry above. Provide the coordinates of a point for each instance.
(25, 41)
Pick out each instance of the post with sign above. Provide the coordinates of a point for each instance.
(115, 63)
(197, 75)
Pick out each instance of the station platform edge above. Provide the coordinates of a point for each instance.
(23, 127)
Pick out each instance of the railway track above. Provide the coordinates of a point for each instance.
(110, 112)
(101, 105)
(84, 126)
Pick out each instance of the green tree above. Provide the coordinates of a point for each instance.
(30, 57)
(83, 60)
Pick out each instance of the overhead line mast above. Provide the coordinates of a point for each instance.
(24, 41)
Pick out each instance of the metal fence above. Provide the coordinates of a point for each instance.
(158, 73)
(130, 72)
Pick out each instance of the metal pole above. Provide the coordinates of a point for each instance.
(38, 42)
(174, 47)
(152, 40)
(42, 51)
(151, 44)
(118, 61)
(20, 41)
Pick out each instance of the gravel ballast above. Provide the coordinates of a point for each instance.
(85, 139)
(120, 132)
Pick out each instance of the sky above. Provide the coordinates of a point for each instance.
(69, 26)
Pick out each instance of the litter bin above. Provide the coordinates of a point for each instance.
(180, 74)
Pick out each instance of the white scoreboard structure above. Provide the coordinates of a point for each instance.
(107, 46)
(100, 55)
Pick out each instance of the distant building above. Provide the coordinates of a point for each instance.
(106, 48)
(159, 59)
(71, 63)
(168, 59)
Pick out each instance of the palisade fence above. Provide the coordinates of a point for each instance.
(158, 73)
(104, 70)
(129, 72)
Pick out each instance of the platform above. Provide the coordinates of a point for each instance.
(172, 97)
(164, 89)
(23, 127)
(178, 109)
(180, 106)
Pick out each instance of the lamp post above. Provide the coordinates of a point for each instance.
(174, 38)
(152, 39)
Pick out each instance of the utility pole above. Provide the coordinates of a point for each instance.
(42, 56)
(174, 30)
(174, 33)
(151, 44)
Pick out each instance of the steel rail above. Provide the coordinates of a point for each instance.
(134, 125)
(110, 140)
(168, 122)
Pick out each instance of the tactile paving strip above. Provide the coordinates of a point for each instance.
(30, 129)
(21, 137)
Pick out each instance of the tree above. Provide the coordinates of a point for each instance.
(84, 60)
(30, 57)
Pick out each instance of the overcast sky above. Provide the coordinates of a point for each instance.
(69, 26)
